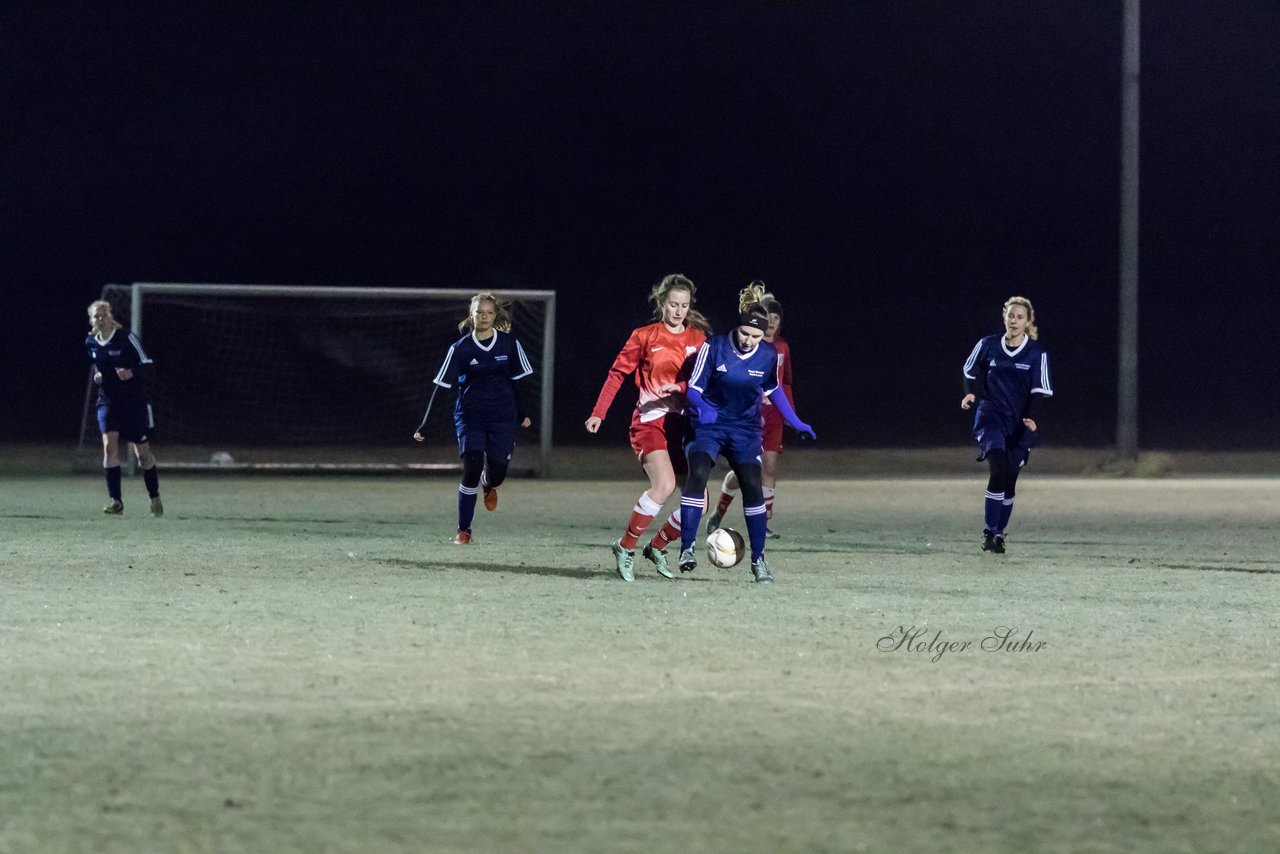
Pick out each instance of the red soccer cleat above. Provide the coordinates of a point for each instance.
(463, 538)
(491, 499)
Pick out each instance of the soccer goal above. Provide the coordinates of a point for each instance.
(262, 377)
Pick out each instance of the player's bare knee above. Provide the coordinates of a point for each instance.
(110, 451)
(662, 487)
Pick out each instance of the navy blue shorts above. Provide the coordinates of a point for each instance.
(998, 434)
(738, 444)
(498, 441)
(134, 423)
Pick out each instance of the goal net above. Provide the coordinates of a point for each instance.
(314, 378)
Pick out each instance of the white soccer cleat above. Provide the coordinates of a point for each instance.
(760, 572)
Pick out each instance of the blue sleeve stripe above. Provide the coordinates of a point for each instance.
(137, 345)
(1045, 387)
(698, 365)
(972, 360)
(777, 381)
(448, 357)
(524, 362)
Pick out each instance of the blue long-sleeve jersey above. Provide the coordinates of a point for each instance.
(735, 383)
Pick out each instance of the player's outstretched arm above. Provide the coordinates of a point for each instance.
(789, 415)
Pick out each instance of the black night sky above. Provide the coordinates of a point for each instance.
(893, 170)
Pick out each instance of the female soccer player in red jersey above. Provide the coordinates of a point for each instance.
(773, 420)
(656, 354)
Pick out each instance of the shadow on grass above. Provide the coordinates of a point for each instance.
(578, 573)
(1205, 567)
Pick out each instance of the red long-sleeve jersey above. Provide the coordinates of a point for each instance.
(784, 377)
(655, 355)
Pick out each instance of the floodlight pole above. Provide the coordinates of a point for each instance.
(1127, 387)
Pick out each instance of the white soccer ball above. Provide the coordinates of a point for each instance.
(221, 458)
(725, 548)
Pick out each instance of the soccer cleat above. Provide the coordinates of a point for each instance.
(462, 538)
(771, 534)
(992, 542)
(157, 508)
(713, 520)
(114, 507)
(688, 562)
(659, 559)
(626, 561)
(491, 498)
(760, 571)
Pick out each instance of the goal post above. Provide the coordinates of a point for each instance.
(299, 378)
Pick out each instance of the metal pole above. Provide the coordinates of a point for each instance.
(135, 309)
(1127, 387)
(548, 383)
(135, 328)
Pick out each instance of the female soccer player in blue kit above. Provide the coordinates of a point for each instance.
(1003, 375)
(485, 365)
(732, 375)
(123, 411)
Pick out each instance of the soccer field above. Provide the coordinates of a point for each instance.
(307, 665)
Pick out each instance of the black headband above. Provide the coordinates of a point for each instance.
(753, 320)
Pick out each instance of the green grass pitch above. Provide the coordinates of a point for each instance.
(308, 665)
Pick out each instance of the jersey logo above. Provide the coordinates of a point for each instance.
(656, 349)
(752, 373)
(474, 362)
(1022, 367)
(688, 350)
(499, 358)
(722, 368)
(113, 352)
